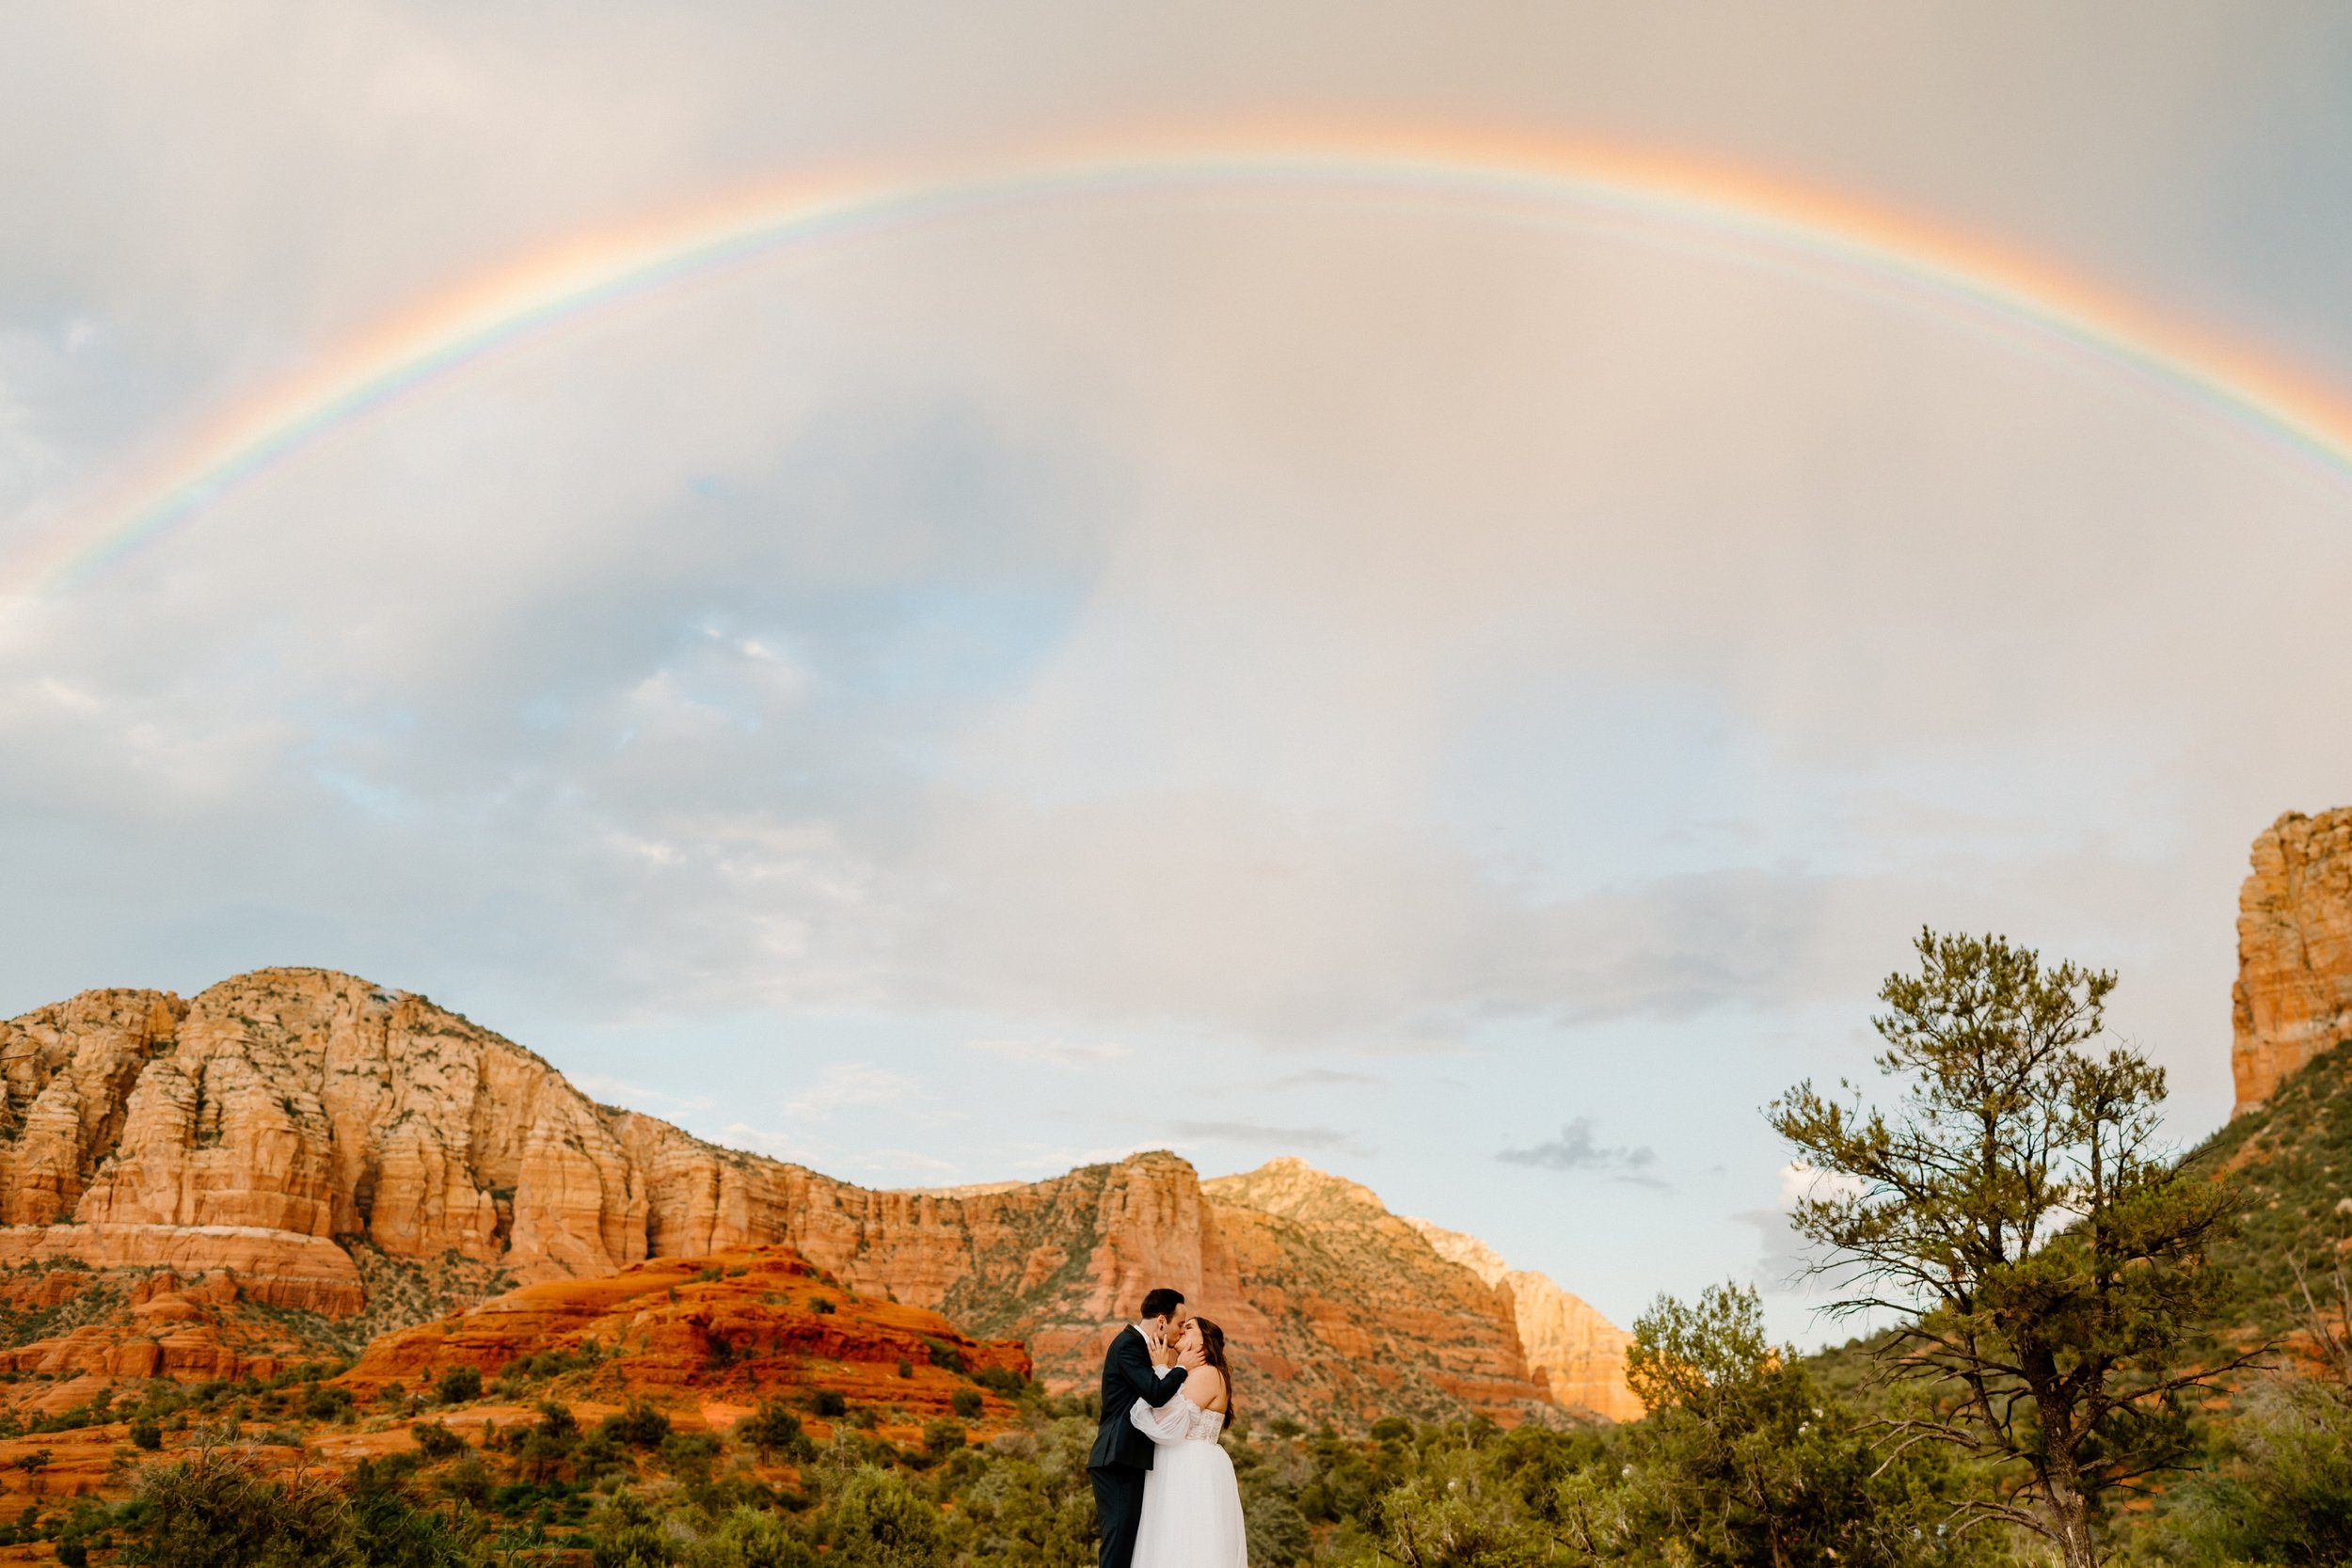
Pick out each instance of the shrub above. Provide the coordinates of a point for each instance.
(943, 1436)
(747, 1538)
(436, 1441)
(1391, 1428)
(467, 1480)
(831, 1403)
(944, 1355)
(774, 1429)
(325, 1403)
(690, 1455)
(1277, 1530)
(1002, 1380)
(637, 1424)
(878, 1521)
(906, 1367)
(965, 1402)
(821, 1306)
(459, 1385)
(222, 1510)
(147, 1433)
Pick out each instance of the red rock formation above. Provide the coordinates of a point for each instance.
(281, 1121)
(1365, 1318)
(2294, 993)
(1575, 1352)
(739, 1325)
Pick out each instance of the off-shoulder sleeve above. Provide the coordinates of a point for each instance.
(1166, 1425)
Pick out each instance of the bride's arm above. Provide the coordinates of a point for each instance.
(1166, 1425)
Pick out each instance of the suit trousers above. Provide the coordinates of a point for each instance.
(1117, 1510)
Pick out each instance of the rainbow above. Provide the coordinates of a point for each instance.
(1613, 193)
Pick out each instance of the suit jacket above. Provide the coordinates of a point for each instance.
(1128, 1375)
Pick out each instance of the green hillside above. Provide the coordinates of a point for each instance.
(2292, 1162)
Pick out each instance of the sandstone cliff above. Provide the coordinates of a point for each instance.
(1575, 1352)
(317, 1141)
(2293, 999)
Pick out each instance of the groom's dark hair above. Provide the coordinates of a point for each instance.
(1161, 1302)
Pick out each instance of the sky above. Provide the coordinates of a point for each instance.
(1203, 607)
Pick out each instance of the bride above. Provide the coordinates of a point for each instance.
(1191, 1504)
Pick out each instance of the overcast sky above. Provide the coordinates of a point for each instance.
(1460, 696)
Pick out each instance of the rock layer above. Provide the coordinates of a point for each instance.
(2293, 999)
(282, 1121)
(1576, 1354)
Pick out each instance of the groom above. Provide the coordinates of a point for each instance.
(1122, 1454)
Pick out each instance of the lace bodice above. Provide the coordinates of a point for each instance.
(1178, 1420)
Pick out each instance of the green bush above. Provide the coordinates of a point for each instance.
(943, 1436)
(326, 1404)
(459, 1386)
(831, 1404)
(223, 1510)
(944, 1356)
(1278, 1533)
(1002, 1380)
(436, 1441)
(636, 1424)
(690, 1455)
(965, 1402)
(147, 1433)
(774, 1429)
(746, 1538)
(878, 1521)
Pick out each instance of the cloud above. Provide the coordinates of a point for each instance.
(1575, 1150)
(1319, 1078)
(1068, 1055)
(1256, 1134)
(621, 1091)
(851, 1086)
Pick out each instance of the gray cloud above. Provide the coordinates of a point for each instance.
(1279, 1140)
(1576, 1149)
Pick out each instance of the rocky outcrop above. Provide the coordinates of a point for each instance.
(286, 1127)
(737, 1325)
(1363, 1317)
(1576, 1354)
(2293, 999)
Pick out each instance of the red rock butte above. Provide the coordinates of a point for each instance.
(296, 1138)
(2293, 999)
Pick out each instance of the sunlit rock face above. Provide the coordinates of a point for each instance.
(1575, 1352)
(305, 1134)
(2293, 999)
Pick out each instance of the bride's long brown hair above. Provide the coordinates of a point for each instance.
(1213, 1352)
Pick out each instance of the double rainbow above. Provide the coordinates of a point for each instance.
(1743, 216)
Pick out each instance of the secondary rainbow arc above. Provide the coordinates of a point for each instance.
(1731, 212)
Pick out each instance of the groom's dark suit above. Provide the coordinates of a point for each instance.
(1122, 1454)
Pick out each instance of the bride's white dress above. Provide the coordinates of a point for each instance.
(1191, 1503)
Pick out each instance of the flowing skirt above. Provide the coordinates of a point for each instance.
(1191, 1510)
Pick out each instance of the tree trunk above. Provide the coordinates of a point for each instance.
(2070, 1512)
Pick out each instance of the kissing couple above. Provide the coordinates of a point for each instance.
(1163, 1490)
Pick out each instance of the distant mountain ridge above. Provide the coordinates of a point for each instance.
(335, 1155)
